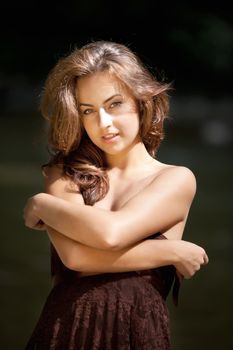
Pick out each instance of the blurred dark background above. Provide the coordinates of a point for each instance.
(187, 43)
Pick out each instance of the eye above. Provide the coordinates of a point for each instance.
(87, 111)
(115, 104)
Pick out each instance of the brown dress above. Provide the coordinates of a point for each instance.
(112, 311)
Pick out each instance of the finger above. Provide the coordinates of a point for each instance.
(40, 225)
(180, 276)
(206, 259)
(40, 228)
(188, 276)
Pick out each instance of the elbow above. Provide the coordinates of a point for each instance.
(74, 265)
(109, 236)
(77, 262)
(70, 263)
(112, 241)
(111, 245)
(70, 260)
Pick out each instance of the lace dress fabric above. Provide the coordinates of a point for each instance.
(113, 311)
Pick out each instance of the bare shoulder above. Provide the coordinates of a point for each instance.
(56, 183)
(53, 172)
(179, 178)
(53, 175)
(177, 170)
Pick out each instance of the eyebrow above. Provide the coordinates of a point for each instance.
(108, 99)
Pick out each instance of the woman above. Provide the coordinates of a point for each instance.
(113, 213)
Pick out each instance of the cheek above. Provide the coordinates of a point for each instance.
(91, 135)
(88, 129)
(132, 124)
(92, 132)
(88, 126)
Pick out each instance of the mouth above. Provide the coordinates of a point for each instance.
(111, 137)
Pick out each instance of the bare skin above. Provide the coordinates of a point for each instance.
(145, 196)
(148, 254)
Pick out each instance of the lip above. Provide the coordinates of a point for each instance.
(110, 137)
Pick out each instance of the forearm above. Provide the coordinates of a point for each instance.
(76, 221)
(145, 255)
(106, 229)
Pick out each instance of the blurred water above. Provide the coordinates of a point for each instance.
(203, 319)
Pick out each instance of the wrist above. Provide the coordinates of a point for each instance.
(170, 252)
(174, 251)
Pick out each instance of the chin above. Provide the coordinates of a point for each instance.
(112, 153)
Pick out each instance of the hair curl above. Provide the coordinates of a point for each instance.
(82, 161)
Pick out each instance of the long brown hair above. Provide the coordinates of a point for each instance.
(82, 161)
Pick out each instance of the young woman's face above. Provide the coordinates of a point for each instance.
(109, 113)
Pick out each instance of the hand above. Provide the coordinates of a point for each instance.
(190, 258)
(30, 218)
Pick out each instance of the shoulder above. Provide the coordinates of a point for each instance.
(55, 182)
(176, 178)
(52, 172)
(177, 171)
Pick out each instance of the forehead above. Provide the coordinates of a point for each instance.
(99, 86)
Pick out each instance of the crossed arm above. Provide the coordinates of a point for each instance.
(162, 204)
(92, 239)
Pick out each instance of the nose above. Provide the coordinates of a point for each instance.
(105, 119)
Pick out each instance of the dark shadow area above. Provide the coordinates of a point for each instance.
(188, 44)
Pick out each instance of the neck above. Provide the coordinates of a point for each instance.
(134, 158)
